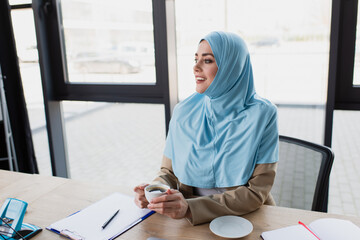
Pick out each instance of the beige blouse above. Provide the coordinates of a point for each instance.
(237, 200)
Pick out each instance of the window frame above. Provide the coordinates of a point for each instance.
(342, 93)
(347, 95)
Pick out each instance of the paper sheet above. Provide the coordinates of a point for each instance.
(324, 228)
(335, 229)
(88, 222)
(296, 232)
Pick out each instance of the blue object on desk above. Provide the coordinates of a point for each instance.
(12, 214)
(11, 223)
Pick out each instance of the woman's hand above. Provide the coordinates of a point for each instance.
(140, 199)
(173, 205)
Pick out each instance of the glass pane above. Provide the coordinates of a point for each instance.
(356, 77)
(288, 43)
(344, 195)
(109, 41)
(304, 122)
(117, 143)
(24, 31)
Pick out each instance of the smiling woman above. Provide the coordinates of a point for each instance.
(221, 151)
(205, 67)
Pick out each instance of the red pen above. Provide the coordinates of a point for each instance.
(308, 229)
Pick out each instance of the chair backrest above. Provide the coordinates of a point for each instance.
(302, 178)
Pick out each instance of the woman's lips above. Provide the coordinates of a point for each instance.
(199, 79)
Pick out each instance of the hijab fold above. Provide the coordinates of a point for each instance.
(216, 138)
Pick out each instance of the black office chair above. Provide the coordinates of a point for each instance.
(302, 178)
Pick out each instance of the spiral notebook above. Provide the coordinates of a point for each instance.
(87, 223)
(323, 228)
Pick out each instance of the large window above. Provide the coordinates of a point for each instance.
(97, 52)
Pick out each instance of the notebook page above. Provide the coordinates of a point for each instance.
(296, 232)
(88, 222)
(335, 229)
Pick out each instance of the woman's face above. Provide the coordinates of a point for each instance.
(205, 67)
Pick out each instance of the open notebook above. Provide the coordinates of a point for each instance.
(324, 229)
(87, 223)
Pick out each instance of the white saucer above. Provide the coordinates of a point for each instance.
(231, 227)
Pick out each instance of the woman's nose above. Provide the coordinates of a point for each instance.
(196, 67)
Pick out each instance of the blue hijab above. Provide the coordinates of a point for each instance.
(216, 138)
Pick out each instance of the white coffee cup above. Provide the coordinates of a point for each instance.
(155, 190)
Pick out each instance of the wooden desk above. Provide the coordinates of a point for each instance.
(53, 198)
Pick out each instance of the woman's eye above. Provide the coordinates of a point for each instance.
(195, 60)
(208, 61)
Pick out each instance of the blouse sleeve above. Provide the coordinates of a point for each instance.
(239, 201)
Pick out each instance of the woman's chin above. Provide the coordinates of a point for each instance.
(200, 89)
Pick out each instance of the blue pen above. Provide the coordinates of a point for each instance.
(147, 215)
(133, 224)
(141, 219)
